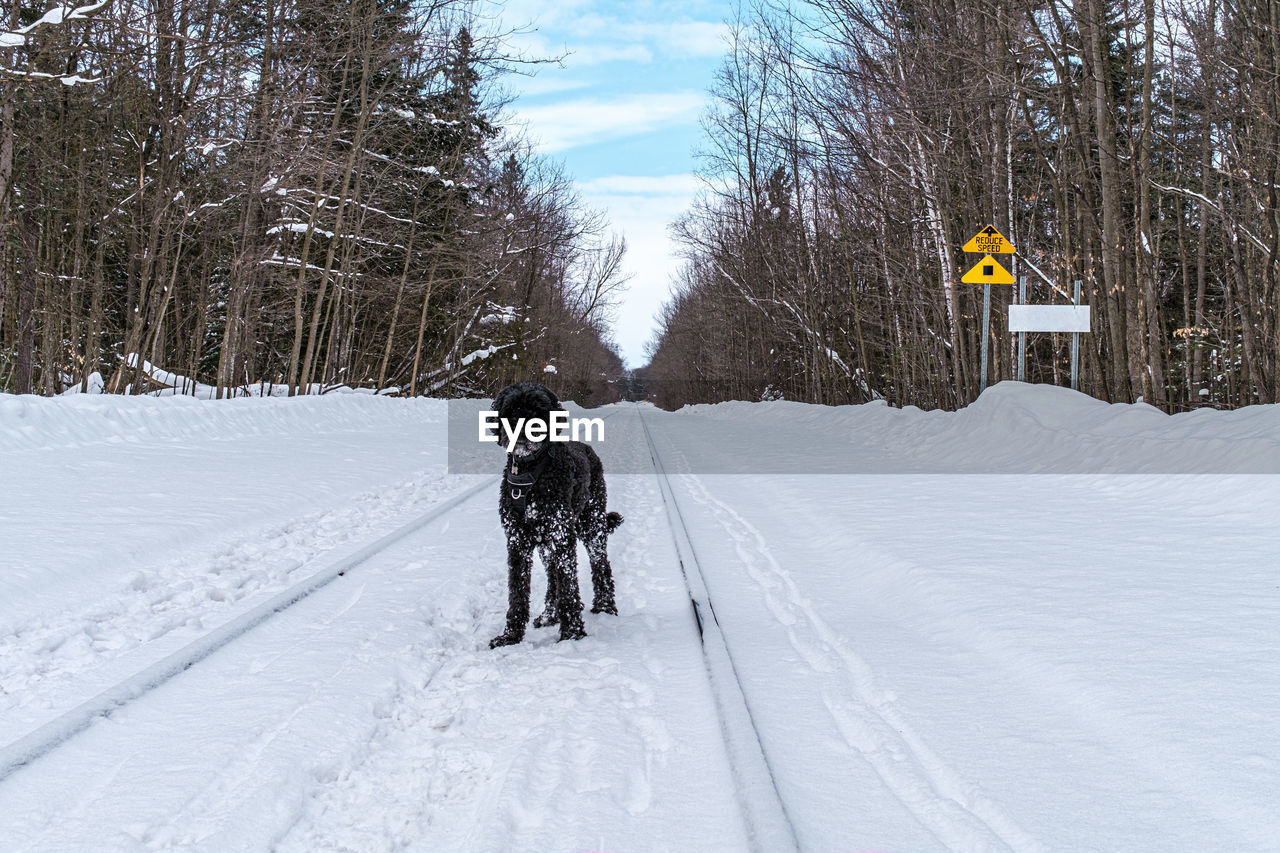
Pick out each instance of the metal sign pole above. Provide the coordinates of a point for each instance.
(987, 272)
(1022, 336)
(986, 334)
(1075, 349)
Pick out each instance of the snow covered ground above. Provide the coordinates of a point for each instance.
(932, 649)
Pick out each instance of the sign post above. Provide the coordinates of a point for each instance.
(1023, 318)
(987, 272)
(1022, 336)
(986, 334)
(1075, 348)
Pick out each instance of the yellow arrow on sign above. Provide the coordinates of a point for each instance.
(989, 241)
(987, 271)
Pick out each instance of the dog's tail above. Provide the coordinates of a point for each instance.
(612, 521)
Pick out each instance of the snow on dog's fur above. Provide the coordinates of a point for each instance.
(553, 494)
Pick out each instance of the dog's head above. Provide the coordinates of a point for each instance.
(528, 401)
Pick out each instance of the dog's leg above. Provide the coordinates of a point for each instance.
(519, 563)
(564, 564)
(602, 600)
(550, 615)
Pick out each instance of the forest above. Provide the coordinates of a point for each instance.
(855, 145)
(285, 196)
(290, 196)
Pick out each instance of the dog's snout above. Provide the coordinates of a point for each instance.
(525, 447)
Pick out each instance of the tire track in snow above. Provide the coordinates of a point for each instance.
(949, 806)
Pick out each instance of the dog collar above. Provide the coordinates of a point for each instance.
(519, 483)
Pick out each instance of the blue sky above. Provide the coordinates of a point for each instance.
(622, 113)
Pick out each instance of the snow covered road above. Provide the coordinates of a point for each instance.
(372, 715)
(919, 661)
(963, 689)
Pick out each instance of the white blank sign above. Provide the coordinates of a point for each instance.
(1048, 318)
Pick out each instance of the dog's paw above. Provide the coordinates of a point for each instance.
(546, 619)
(571, 632)
(604, 607)
(504, 639)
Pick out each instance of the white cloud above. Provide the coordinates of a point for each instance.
(592, 33)
(684, 185)
(680, 38)
(583, 121)
(541, 13)
(620, 42)
(582, 55)
(697, 38)
(575, 53)
(533, 87)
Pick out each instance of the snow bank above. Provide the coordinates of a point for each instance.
(43, 423)
(1012, 428)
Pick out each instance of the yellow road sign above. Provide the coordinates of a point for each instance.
(987, 271)
(989, 241)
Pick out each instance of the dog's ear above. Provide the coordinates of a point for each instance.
(500, 401)
(555, 401)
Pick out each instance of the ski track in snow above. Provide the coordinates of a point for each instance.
(952, 808)
(41, 660)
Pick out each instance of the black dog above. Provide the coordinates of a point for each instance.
(553, 494)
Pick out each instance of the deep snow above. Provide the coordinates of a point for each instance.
(955, 654)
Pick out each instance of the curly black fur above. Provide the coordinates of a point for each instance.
(565, 503)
